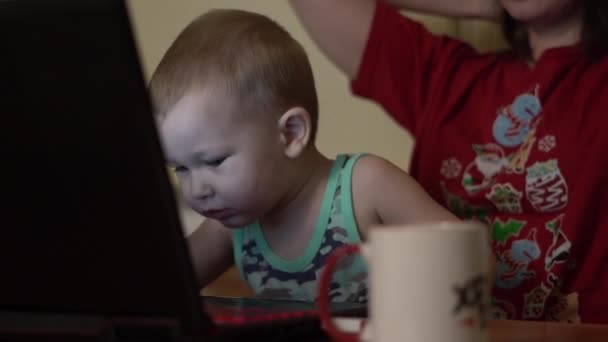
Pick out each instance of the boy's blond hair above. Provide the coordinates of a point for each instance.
(244, 53)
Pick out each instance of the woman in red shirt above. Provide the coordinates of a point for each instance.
(513, 138)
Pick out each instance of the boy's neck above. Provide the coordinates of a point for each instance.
(566, 32)
(310, 173)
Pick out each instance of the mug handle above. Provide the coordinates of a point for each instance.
(327, 321)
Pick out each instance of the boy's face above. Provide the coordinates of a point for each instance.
(227, 162)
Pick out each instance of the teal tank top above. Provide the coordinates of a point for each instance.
(271, 276)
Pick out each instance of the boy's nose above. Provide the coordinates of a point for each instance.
(203, 191)
(200, 188)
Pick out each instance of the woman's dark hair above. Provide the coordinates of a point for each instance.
(594, 38)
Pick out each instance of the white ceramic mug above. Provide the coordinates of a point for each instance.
(428, 282)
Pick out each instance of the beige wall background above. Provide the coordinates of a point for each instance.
(347, 124)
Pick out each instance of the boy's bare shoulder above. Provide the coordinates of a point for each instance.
(392, 194)
(371, 168)
(373, 178)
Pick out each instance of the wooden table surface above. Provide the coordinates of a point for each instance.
(524, 331)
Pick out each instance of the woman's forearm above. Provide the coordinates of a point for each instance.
(477, 9)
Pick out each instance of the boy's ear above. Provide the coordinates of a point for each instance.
(295, 129)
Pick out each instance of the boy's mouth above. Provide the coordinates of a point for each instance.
(218, 214)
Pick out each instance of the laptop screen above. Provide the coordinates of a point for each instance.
(90, 222)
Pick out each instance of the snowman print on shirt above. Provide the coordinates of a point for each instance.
(514, 122)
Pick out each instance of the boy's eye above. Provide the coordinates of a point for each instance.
(215, 162)
(178, 169)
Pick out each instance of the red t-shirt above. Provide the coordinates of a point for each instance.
(522, 148)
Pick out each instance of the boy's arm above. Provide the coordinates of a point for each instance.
(395, 197)
(383, 189)
(341, 27)
(211, 251)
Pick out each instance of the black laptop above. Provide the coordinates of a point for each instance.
(91, 244)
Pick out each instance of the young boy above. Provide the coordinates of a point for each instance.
(237, 111)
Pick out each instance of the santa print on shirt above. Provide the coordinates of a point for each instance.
(517, 166)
